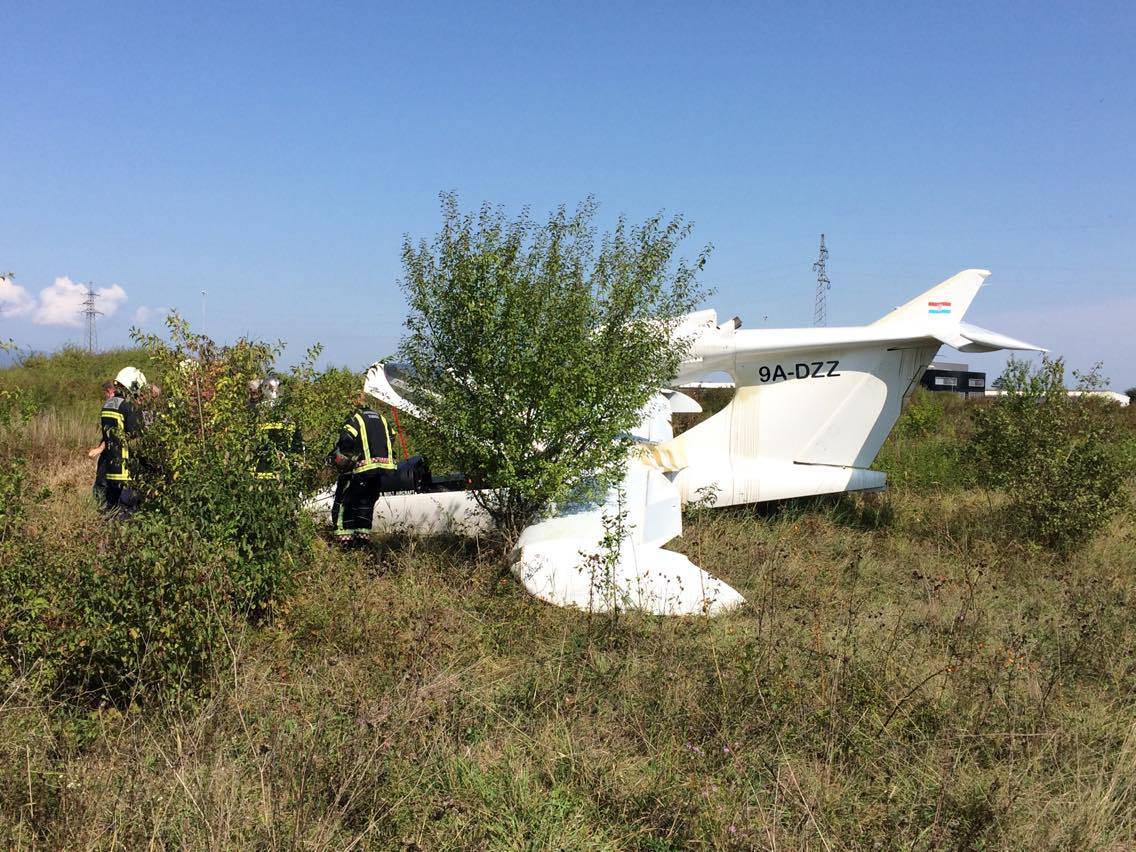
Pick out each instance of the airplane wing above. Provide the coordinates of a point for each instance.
(380, 383)
(608, 556)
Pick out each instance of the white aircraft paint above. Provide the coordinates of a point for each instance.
(811, 410)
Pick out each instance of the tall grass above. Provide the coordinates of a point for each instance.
(908, 673)
(71, 377)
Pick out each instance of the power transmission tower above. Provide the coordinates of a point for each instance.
(90, 312)
(823, 285)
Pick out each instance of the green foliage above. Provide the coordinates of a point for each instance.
(16, 406)
(318, 401)
(13, 496)
(928, 446)
(1054, 455)
(130, 616)
(70, 378)
(133, 611)
(539, 344)
(197, 461)
(923, 415)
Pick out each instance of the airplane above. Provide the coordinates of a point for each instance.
(812, 408)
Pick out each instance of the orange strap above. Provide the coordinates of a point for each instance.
(401, 437)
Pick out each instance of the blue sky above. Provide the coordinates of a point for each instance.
(274, 155)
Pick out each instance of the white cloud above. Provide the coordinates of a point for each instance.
(144, 315)
(14, 299)
(62, 302)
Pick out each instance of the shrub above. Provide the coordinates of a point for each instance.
(540, 344)
(16, 408)
(318, 401)
(199, 456)
(133, 611)
(69, 378)
(1052, 454)
(928, 445)
(128, 613)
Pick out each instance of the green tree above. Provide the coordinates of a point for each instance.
(197, 461)
(539, 344)
(1054, 455)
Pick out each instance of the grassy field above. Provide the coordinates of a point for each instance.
(908, 673)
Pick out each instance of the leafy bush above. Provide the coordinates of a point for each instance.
(540, 344)
(923, 415)
(129, 615)
(927, 448)
(1054, 455)
(198, 458)
(133, 611)
(69, 378)
(16, 407)
(318, 401)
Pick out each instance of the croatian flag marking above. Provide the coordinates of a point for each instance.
(938, 307)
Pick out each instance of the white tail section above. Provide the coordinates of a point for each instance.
(814, 406)
(791, 437)
(942, 305)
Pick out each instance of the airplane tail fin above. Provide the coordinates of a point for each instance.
(943, 305)
(940, 310)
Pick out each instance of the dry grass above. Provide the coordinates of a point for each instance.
(907, 674)
(919, 684)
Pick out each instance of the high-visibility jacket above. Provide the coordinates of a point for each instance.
(365, 441)
(275, 440)
(119, 421)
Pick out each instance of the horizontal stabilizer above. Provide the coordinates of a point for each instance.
(971, 338)
(681, 403)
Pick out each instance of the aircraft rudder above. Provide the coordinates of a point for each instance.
(946, 302)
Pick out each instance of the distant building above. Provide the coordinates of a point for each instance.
(944, 376)
(1120, 399)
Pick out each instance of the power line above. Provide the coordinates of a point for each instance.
(823, 285)
(90, 312)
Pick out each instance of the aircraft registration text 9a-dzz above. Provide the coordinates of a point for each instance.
(800, 370)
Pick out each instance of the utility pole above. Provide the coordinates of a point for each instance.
(823, 285)
(90, 312)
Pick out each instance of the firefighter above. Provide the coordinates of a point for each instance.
(364, 457)
(276, 437)
(119, 421)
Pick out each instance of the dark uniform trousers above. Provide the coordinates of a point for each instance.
(354, 508)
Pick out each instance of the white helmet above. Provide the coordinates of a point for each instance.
(131, 378)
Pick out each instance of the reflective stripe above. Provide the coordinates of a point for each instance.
(362, 433)
(369, 462)
(382, 463)
(267, 427)
(354, 432)
(124, 451)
